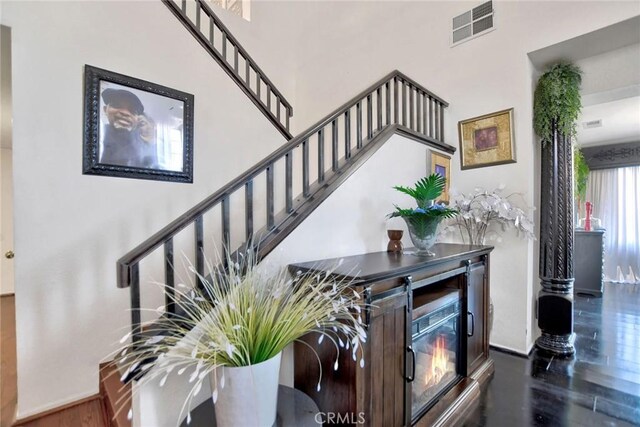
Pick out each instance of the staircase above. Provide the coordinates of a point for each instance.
(217, 40)
(314, 163)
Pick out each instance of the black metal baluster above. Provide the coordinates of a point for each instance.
(334, 145)
(199, 242)
(431, 117)
(379, 106)
(321, 155)
(436, 120)
(418, 111)
(247, 71)
(395, 100)
(269, 98)
(288, 159)
(235, 59)
(184, 7)
(404, 103)
(270, 198)
(136, 318)
(288, 116)
(224, 47)
(305, 168)
(211, 30)
(369, 117)
(387, 86)
(226, 229)
(258, 85)
(169, 277)
(347, 134)
(441, 122)
(411, 108)
(248, 210)
(278, 108)
(358, 125)
(198, 7)
(424, 114)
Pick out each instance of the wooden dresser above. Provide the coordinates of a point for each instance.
(401, 291)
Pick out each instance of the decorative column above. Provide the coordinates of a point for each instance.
(555, 300)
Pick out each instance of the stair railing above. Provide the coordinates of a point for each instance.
(395, 103)
(215, 37)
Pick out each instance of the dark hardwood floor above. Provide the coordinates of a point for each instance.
(599, 386)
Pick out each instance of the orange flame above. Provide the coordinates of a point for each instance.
(439, 363)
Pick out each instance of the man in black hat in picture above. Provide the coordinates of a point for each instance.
(126, 140)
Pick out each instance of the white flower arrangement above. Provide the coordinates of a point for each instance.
(242, 316)
(482, 210)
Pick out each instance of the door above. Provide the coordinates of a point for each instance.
(6, 169)
(388, 329)
(476, 316)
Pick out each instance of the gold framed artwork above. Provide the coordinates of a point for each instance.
(441, 164)
(487, 140)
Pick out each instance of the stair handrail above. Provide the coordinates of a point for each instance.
(134, 256)
(244, 82)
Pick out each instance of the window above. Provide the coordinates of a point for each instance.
(241, 8)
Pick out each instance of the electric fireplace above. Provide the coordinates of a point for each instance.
(435, 348)
(427, 342)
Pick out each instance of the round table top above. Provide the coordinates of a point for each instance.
(295, 409)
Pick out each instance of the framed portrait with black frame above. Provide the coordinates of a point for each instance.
(136, 129)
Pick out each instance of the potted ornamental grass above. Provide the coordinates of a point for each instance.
(232, 330)
(423, 220)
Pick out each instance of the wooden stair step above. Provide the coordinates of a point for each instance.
(115, 395)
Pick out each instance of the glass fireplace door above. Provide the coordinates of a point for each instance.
(436, 347)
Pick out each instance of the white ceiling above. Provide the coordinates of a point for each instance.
(610, 62)
(620, 122)
(597, 42)
(615, 69)
(611, 93)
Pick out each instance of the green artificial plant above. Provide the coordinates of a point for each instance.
(580, 174)
(425, 192)
(557, 101)
(580, 177)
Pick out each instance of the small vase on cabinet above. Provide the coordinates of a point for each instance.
(395, 242)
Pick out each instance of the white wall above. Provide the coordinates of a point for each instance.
(487, 74)
(71, 228)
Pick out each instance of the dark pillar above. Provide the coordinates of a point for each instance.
(555, 300)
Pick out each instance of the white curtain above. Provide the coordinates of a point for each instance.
(615, 194)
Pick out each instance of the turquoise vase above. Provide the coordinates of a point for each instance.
(423, 231)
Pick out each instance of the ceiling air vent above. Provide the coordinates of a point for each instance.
(592, 124)
(472, 23)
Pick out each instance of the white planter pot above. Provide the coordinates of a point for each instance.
(249, 396)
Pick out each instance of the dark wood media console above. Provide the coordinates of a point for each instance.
(409, 297)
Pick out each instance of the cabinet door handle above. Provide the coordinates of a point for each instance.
(473, 324)
(411, 377)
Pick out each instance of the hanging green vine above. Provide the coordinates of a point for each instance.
(557, 99)
(580, 173)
